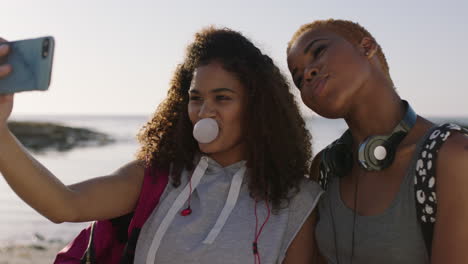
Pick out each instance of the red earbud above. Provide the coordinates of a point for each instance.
(186, 211)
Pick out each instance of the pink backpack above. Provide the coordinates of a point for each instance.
(114, 241)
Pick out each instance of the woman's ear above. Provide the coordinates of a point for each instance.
(369, 47)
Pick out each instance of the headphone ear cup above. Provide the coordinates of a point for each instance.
(342, 160)
(337, 159)
(376, 153)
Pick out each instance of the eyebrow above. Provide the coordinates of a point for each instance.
(306, 49)
(217, 90)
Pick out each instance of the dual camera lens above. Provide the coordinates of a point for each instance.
(45, 48)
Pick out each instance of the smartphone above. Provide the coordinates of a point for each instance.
(31, 61)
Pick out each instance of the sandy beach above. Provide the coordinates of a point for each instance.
(38, 253)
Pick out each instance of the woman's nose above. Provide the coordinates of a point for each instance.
(206, 110)
(310, 73)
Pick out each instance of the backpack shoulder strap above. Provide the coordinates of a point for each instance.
(323, 177)
(154, 184)
(425, 180)
(324, 172)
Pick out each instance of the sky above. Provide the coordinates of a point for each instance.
(117, 57)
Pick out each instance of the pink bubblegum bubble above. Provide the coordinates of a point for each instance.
(206, 130)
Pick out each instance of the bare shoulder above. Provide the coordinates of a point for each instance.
(452, 169)
(130, 174)
(453, 158)
(450, 233)
(132, 170)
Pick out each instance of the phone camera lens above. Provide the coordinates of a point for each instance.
(45, 48)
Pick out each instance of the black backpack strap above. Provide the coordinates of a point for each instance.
(324, 172)
(89, 256)
(425, 180)
(128, 254)
(323, 177)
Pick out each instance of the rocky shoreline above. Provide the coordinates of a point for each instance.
(43, 136)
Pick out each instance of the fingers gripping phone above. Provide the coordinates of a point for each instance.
(31, 62)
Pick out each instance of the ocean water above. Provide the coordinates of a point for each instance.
(19, 223)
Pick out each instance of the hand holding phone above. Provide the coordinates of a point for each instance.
(4, 69)
(6, 100)
(30, 64)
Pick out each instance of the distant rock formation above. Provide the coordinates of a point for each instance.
(41, 136)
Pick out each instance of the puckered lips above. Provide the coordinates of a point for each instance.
(318, 85)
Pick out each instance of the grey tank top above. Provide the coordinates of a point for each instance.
(184, 241)
(392, 237)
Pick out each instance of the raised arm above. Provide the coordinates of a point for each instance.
(99, 198)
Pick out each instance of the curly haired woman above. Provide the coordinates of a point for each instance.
(382, 203)
(235, 199)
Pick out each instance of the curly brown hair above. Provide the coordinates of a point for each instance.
(351, 31)
(279, 145)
